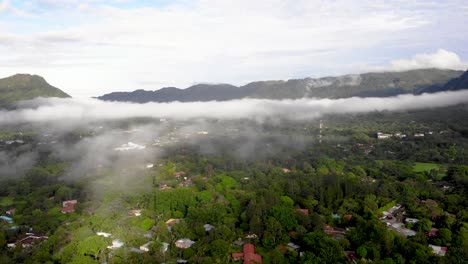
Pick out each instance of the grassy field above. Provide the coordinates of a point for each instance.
(6, 201)
(427, 167)
(421, 167)
(386, 207)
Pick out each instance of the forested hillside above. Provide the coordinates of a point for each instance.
(321, 191)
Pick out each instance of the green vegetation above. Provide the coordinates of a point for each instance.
(324, 198)
(25, 87)
(378, 84)
(425, 167)
(386, 207)
(6, 201)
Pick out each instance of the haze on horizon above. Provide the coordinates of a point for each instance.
(89, 48)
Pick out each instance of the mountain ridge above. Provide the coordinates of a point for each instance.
(377, 84)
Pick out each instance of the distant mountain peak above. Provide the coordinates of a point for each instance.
(25, 87)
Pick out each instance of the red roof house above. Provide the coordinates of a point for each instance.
(177, 174)
(302, 211)
(249, 255)
(69, 206)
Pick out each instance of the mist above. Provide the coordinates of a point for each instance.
(89, 134)
(72, 110)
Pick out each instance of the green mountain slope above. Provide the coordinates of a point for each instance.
(25, 87)
(377, 84)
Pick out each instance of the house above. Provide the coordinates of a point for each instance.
(351, 256)
(146, 247)
(177, 174)
(7, 219)
(438, 251)
(418, 134)
(184, 243)
(411, 220)
(68, 206)
(285, 170)
(383, 136)
(164, 187)
(29, 240)
(103, 234)
(135, 212)
(116, 244)
(186, 183)
(433, 232)
(171, 222)
(302, 211)
(165, 247)
(399, 135)
(293, 247)
(248, 254)
(333, 231)
(336, 216)
(208, 227)
(348, 216)
(12, 211)
(251, 236)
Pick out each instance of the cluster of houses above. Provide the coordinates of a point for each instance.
(381, 135)
(28, 240)
(366, 148)
(391, 218)
(8, 219)
(393, 222)
(385, 136)
(15, 141)
(184, 181)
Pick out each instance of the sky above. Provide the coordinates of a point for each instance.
(92, 47)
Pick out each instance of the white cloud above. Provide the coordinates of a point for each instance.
(442, 58)
(4, 6)
(72, 110)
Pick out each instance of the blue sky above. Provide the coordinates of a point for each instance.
(92, 47)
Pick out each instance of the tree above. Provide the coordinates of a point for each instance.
(424, 225)
(284, 215)
(92, 246)
(219, 249)
(445, 235)
(274, 233)
(362, 251)
(322, 249)
(146, 223)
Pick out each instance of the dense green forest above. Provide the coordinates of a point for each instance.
(316, 191)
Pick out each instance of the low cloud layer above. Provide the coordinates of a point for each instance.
(66, 111)
(87, 133)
